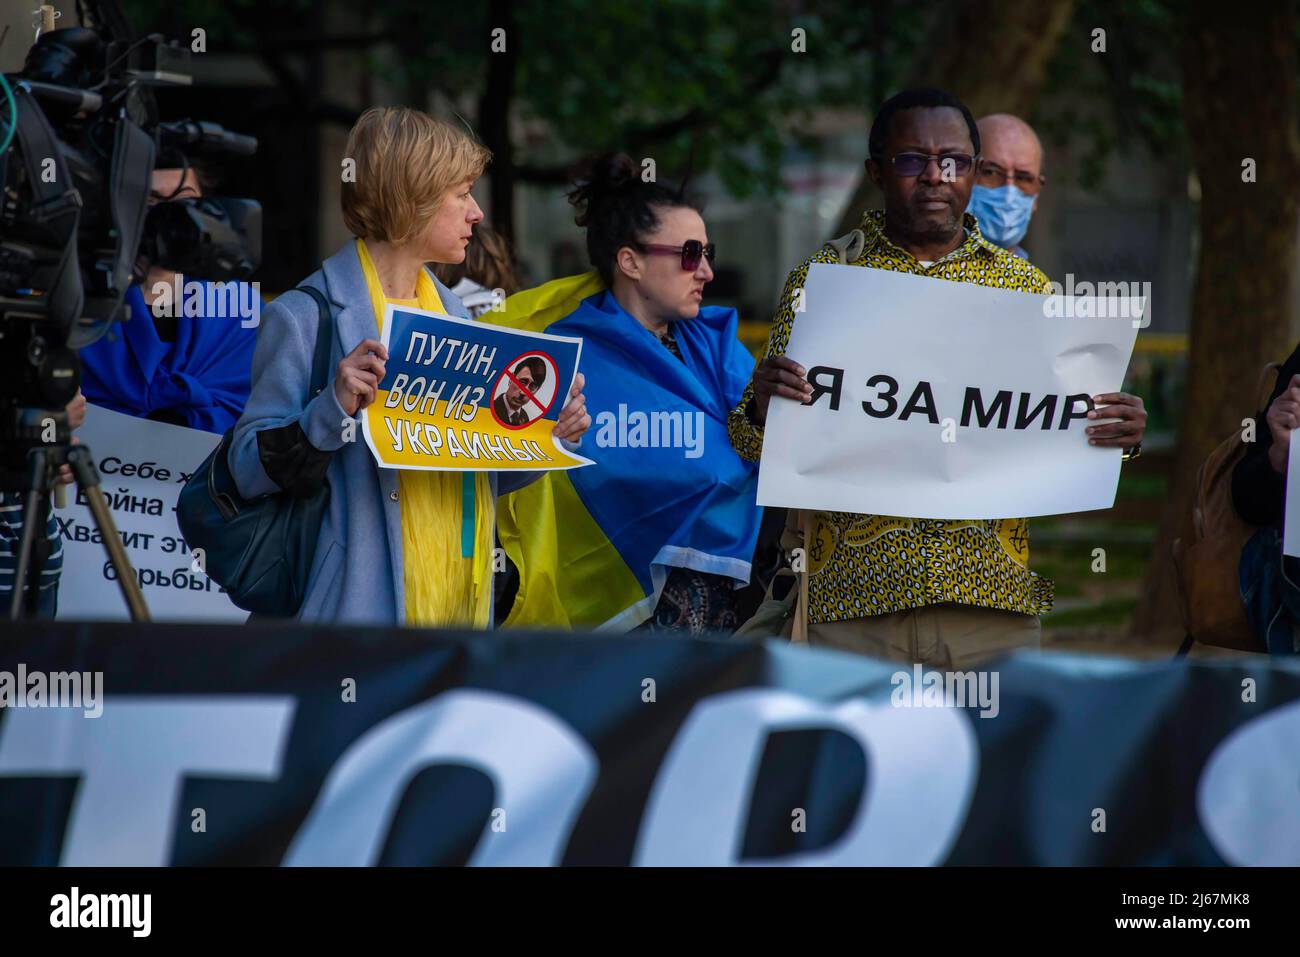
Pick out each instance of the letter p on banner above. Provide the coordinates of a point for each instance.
(923, 767)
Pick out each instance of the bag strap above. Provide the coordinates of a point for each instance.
(1262, 389)
(849, 246)
(799, 634)
(320, 360)
(795, 535)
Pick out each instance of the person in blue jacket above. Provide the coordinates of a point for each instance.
(173, 360)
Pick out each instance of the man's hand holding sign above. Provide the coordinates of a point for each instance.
(1130, 415)
(779, 376)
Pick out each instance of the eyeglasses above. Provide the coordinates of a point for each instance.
(692, 250)
(914, 164)
(991, 174)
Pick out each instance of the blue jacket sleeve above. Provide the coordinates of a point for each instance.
(286, 340)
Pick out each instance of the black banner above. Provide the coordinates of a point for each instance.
(125, 745)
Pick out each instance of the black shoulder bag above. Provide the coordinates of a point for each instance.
(259, 550)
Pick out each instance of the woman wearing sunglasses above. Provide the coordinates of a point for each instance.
(662, 529)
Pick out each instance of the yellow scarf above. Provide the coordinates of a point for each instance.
(442, 587)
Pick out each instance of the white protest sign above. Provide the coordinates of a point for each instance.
(143, 466)
(941, 399)
(1291, 519)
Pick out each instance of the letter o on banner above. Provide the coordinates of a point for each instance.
(1246, 796)
(541, 772)
(922, 767)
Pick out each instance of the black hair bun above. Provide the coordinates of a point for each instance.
(617, 207)
(600, 179)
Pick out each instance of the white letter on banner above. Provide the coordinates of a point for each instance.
(423, 339)
(921, 770)
(131, 761)
(541, 772)
(1246, 796)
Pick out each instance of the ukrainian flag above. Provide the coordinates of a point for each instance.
(594, 545)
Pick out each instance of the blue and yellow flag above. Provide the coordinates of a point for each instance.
(594, 545)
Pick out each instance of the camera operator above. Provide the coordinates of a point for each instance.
(165, 362)
(101, 195)
(161, 364)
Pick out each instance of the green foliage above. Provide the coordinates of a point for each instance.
(1115, 613)
(229, 24)
(1132, 93)
(715, 83)
(712, 83)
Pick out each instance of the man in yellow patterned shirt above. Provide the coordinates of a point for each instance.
(939, 592)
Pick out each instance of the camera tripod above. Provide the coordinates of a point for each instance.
(42, 475)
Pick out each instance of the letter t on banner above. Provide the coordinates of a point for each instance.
(131, 761)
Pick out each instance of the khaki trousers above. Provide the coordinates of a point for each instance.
(946, 636)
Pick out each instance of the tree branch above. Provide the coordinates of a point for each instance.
(770, 63)
(304, 102)
(296, 42)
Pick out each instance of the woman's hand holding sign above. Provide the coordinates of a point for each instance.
(574, 419)
(359, 373)
(780, 376)
(1125, 433)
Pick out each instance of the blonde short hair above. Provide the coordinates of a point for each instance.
(405, 162)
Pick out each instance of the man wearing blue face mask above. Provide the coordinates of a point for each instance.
(1008, 181)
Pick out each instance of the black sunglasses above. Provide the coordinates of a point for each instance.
(691, 251)
(914, 164)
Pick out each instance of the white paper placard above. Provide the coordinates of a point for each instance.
(973, 416)
(144, 509)
(1291, 521)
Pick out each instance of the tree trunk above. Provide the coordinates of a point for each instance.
(494, 118)
(1239, 83)
(991, 54)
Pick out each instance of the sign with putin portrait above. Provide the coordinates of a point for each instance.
(460, 395)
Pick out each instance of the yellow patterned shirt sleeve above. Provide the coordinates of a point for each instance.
(746, 437)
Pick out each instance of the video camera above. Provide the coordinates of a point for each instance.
(79, 135)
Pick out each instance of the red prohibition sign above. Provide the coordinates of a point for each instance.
(506, 373)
